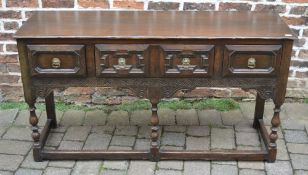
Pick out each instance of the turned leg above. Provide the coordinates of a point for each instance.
(259, 111)
(273, 136)
(50, 110)
(35, 132)
(154, 133)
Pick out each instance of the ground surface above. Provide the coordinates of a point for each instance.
(205, 129)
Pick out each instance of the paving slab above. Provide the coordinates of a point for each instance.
(299, 161)
(300, 172)
(8, 116)
(112, 172)
(23, 117)
(77, 133)
(198, 131)
(14, 147)
(279, 168)
(126, 130)
(6, 173)
(70, 145)
(62, 163)
(251, 172)
(210, 118)
(95, 117)
(142, 144)
(245, 126)
(292, 124)
(232, 117)
(144, 132)
(10, 162)
(141, 168)
(107, 129)
(18, 133)
(173, 139)
(297, 111)
(43, 117)
(197, 168)
(222, 138)
(87, 168)
(170, 165)
(118, 118)
(3, 130)
(174, 128)
(29, 162)
(122, 141)
(251, 165)
(57, 171)
(297, 148)
(197, 143)
(72, 117)
(97, 142)
(248, 139)
(54, 139)
(141, 117)
(248, 109)
(168, 172)
(296, 136)
(187, 117)
(116, 164)
(22, 171)
(222, 169)
(119, 148)
(282, 152)
(166, 116)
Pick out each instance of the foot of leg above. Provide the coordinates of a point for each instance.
(154, 134)
(273, 136)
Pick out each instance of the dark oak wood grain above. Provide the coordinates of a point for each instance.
(155, 54)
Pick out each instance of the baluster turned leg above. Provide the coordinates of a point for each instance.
(35, 132)
(273, 136)
(154, 133)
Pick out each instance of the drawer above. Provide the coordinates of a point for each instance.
(57, 60)
(251, 60)
(188, 60)
(121, 60)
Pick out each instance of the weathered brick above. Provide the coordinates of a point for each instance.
(79, 90)
(10, 14)
(10, 25)
(58, 3)
(13, 67)
(22, 3)
(303, 54)
(296, 63)
(6, 36)
(295, 1)
(12, 93)
(299, 42)
(163, 5)
(295, 20)
(11, 47)
(305, 32)
(8, 58)
(3, 68)
(94, 3)
(128, 4)
(298, 10)
(198, 6)
(5, 78)
(274, 8)
(301, 74)
(234, 6)
(204, 91)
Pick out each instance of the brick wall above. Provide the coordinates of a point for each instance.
(14, 12)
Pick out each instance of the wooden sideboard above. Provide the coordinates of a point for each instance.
(155, 54)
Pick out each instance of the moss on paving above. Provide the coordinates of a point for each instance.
(306, 100)
(210, 103)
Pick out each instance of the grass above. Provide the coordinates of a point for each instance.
(210, 103)
(306, 100)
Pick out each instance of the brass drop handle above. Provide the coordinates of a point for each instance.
(121, 61)
(251, 63)
(186, 61)
(55, 63)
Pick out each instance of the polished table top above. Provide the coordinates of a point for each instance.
(155, 25)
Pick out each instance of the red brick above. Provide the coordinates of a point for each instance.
(10, 14)
(13, 67)
(234, 6)
(301, 74)
(298, 10)
(163, 5)
(303, 54)
(94, 3)
(6, 36)
(79, 91)
(1, 47)
(11, 47)
(299, 42)
(295, 21)
(238, 92)
(8, 58)
(128, 4)
(58, 3)
(3, 68)
(274, 8)
(301, 64)
(12, 25)
(305, 32)
(205, 92)
(198, 6)
(28, 14)
(5, 78)
(12, 93)
(22, 3)
(295, 1)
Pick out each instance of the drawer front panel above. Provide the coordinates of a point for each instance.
(120, 60)
(188, 60)
(251, 60)
(57, 60)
